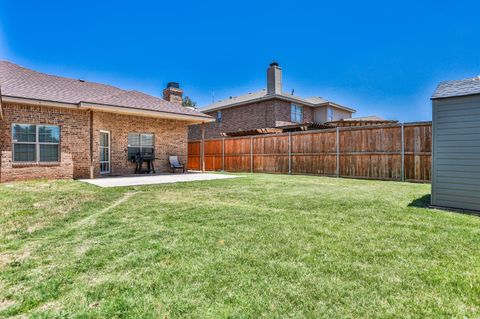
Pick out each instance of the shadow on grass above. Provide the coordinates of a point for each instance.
(422, 202)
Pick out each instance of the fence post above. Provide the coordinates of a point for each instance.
(251, 154)
(403, 152)
(223, 154)
(202, 148)
(337, 140)
(290, 153)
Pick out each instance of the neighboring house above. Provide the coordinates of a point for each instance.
(55, 127)
(270, 108)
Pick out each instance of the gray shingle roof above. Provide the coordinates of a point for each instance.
(235, 100)
(365, 118)
(457, 88)
(316, 100)
(17, 81)
(262, 95)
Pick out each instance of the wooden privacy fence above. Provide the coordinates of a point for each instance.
(391, 152)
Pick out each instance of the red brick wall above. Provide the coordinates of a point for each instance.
(282, 113)
(170, 139)
(173, 95)
(75, 158)
(250, 116)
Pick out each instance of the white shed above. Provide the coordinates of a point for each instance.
(456, 144)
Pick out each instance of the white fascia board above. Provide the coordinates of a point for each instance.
(149, 113)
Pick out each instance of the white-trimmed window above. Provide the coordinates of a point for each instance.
(296, 113)
(330, 114)
(140, 143)
(36, 143)
(219, 116)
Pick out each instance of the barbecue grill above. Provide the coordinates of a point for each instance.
(144, 157)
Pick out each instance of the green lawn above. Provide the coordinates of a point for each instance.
(257, 246)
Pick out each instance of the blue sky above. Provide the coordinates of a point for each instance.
(380, 57)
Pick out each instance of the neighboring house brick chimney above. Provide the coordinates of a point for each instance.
(173, 93)
(274, 79)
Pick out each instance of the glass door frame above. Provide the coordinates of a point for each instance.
(108, 147)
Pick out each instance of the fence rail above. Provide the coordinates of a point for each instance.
(390, 152)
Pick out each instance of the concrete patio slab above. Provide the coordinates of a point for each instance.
(154, 179)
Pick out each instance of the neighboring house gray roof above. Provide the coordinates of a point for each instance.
(457, 88)
(316, 100)
(263, 96)
(364, 118)
(233, 100)
(20, 82)
(360, 121)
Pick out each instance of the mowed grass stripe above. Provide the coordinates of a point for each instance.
(256, 246)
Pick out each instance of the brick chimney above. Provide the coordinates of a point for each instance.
(173, 93)
(274, 79)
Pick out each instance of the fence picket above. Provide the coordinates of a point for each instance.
(390, 152)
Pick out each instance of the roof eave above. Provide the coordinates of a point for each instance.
(338, 106)
(30, 101)
(194, 119)
(453, 96)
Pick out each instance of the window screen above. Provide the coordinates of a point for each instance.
(35, 143)
(296, 113)
(330, 114)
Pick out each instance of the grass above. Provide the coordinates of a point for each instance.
(257, 246)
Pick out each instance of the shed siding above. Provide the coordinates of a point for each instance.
(456, 153)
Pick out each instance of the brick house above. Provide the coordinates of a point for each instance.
(270, 108)
(55, 127)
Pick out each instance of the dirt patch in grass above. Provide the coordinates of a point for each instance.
(4, 304)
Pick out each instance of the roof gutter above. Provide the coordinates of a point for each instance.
(452, 96)
(109, 108)
(195, 119)
(280, 97)
(21, 100)
(338, 106)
